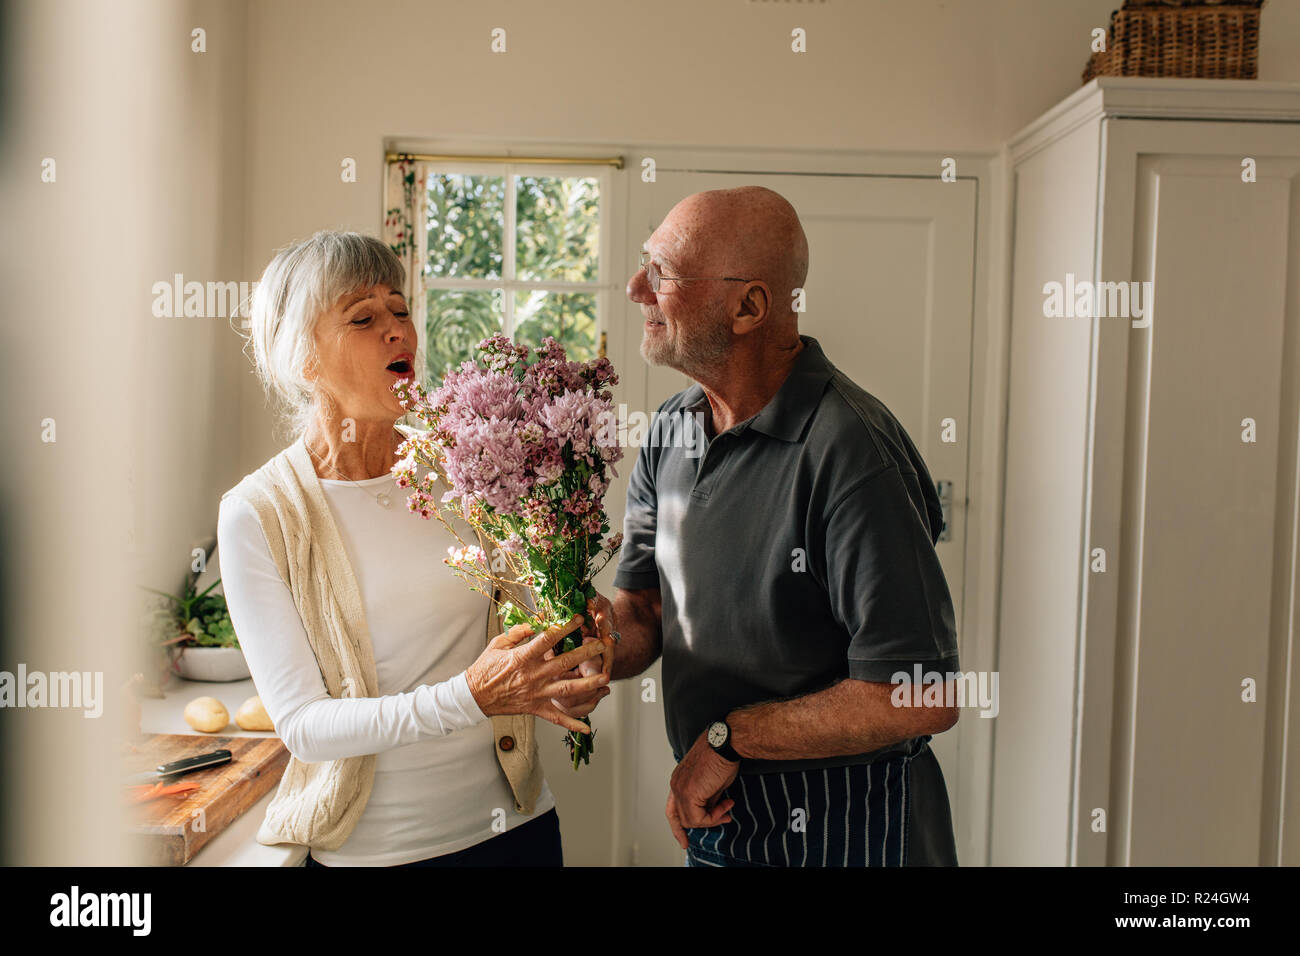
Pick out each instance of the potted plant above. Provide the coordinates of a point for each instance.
(198, 637)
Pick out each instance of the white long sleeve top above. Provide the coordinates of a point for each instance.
(438, 787)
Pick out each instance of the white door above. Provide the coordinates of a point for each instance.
(889, 297)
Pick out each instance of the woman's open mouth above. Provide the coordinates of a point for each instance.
(401, 367)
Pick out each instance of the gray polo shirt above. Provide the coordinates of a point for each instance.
(795, 551)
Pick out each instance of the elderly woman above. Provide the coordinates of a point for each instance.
(408, 715)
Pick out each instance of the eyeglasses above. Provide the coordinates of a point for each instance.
(656, 277)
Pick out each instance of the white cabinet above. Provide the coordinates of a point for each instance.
(1122, 689)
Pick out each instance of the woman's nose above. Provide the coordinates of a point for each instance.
(638, 288)
(397, 326)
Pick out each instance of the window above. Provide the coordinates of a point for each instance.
(515, 249)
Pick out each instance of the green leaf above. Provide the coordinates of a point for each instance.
(512, 615)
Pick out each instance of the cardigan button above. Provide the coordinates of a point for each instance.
(506, 743)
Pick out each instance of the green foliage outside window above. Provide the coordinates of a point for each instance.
(557, 240)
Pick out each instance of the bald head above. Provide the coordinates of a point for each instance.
(720, 331)
(750, 232)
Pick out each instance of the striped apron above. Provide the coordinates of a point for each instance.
(859, 815)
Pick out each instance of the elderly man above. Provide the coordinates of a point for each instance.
(786, 573)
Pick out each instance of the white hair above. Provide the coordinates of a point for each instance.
(301, 283)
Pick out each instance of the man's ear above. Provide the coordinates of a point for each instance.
(753, 309)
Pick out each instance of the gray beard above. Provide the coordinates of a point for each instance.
(695, 358)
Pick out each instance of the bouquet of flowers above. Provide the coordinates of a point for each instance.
(526, 450)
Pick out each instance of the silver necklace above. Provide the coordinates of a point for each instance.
(382, 498)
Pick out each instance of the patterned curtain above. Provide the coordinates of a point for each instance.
(406, 234)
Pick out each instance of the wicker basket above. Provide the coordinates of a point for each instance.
(1191, 39)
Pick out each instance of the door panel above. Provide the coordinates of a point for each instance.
(889, 297)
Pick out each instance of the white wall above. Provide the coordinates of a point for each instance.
(187, 387)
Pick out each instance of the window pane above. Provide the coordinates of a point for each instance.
(467, 222)
(557, 228)
(459, 319)
(570, 317)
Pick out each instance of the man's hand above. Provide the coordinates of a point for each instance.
(597, 627)
(694, 788)
(599, 623)
(582, 706)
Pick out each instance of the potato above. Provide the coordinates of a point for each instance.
(207, 714)
(253, 716)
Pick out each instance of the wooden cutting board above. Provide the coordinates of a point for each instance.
(171, 829)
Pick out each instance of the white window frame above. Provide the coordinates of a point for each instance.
(508, 283)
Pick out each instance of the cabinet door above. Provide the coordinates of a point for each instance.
(1193, 489)
(889, 297)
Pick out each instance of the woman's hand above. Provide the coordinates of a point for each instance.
(516, 676)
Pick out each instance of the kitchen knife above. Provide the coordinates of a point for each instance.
(167, 771)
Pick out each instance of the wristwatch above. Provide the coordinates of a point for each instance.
(719, 738)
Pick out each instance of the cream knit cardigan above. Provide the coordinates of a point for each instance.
(318, 804)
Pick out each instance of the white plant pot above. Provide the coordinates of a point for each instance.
(212, 664)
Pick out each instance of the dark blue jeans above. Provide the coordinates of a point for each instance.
(535, 843)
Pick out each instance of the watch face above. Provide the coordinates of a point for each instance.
(717, 734)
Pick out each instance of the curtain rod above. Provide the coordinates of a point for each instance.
(615, 161)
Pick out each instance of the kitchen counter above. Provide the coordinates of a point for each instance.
(237, 844)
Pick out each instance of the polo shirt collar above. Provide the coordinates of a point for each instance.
(788, 411)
